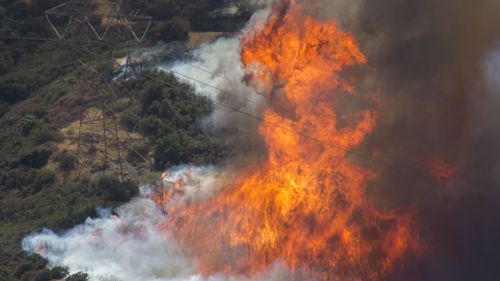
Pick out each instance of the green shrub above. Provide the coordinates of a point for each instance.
(40, 112)
(43, 179)
(11, 206)
(4, 108)
(29, 263)
(32, 26)
(181, 147)
(5, 276)
(43, 275)
(18, 10)
(80, 276)
(170, 112)
(44, 134)
(114, 190)
(176, 29)
(36, 158)
(67, 161)
(27, 124)
(76, 216)
(120, 105)
(17, 178)
(129, 122)
(58, 272)
(6, 61)
(12, 91)
(160, 9)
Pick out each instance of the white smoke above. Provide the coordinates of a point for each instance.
(212, 67)
(132, 244)
(216, 67)
(195, 182)
(126, 246)
(215, 71)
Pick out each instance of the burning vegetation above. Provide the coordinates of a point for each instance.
(306, 203)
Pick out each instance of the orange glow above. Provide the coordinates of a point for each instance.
(442, 171)
(305, 205)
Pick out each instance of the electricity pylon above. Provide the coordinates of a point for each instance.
(92, 30)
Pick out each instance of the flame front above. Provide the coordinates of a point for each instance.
(306, 204)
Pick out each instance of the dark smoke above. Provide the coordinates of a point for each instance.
(436, 64)
(432, 62)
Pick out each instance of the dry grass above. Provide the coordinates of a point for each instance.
(95, 141)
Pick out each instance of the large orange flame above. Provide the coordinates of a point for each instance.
(306, 204)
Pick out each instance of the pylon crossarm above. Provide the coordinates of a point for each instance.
(100, 37)
(143, 35)
(82, 8)
(54, 28)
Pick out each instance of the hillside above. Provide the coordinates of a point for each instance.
(54, 171)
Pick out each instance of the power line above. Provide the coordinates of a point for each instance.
(27, 38)
(48, 39)
(33, 38)
(213, 87)
(260, 119)
(197, 67)
(79, 24)
(208, 72)
(417, 164)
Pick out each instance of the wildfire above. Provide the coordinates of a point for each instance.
(306, 204)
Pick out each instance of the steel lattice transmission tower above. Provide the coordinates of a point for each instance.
(93, 29)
